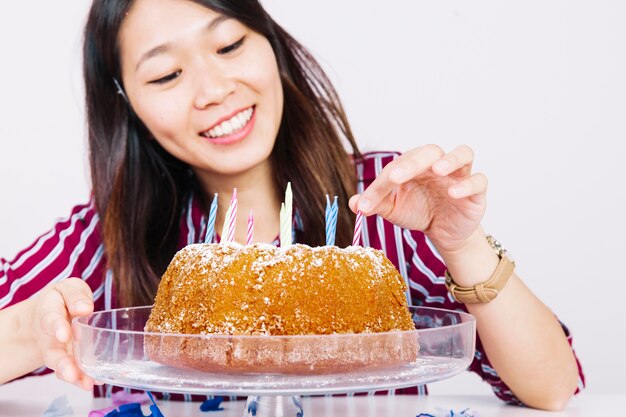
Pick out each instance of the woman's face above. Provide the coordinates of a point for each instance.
(206, 86)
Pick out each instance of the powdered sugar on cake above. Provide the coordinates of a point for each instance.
(261, 289)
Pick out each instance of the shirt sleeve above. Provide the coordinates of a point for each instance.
(71, 248)
(426, 280)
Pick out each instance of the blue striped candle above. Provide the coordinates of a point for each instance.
(331, 221)
(327, 218)
(210, 228)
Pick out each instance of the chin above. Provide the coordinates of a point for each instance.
(237, 167)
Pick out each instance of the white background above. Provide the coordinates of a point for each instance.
(536, 88)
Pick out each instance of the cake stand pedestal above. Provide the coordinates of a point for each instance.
(112, 347)
(274, 406)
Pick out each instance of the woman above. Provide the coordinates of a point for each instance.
(190, 98)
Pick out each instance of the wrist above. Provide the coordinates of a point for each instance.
(27, 327)
(19, 349)
(472, 263)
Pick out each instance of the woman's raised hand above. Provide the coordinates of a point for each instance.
(431, 191)
(55, 307)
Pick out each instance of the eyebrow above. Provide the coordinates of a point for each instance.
(166, 47)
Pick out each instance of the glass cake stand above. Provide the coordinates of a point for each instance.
(273, 371)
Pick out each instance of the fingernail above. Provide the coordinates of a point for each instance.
(81, 306)
(458, 191)
(61, 334)
(364, 204)
(398, 174)
(442, 166)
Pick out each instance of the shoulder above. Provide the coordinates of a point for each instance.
(82, 216)
(371, 163)
(86, 210)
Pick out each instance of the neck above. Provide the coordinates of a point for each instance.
(256, 192)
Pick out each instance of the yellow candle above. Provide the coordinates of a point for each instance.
(286, 218)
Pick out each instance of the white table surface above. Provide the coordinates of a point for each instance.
(32, 396)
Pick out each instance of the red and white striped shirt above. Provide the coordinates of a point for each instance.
(74, 248)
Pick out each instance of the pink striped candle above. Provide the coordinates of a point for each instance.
(228, 231)
(358, 224)
(250, 233)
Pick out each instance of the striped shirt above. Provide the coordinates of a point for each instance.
(74, 248)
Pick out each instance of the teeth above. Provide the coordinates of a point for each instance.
(230, 126)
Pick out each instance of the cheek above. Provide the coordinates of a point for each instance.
(162, 117)
(263, 75)
(270, 85)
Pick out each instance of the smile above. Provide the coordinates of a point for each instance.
(231, 126)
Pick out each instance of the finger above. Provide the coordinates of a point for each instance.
(55, 357)
(68, 371)
(402, 169)
(474, 185)
(66, 368)
(55, 324)
(53, 316)
(413, 163)
(460, 157)
(352, 203)
(380, 188)
(77, 295)
(86, 383)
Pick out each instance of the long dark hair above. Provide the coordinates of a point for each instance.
(140, 190)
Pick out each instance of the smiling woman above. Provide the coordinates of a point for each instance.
(190, 73)
(192, 76)
(186, 99)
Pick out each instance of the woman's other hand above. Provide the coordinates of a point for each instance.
(431, 191)
(55, 307)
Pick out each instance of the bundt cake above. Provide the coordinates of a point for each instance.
(239, 295)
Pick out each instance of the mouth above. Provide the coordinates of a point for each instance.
(233, 128)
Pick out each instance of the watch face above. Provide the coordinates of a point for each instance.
(498, 249)
(495, 245)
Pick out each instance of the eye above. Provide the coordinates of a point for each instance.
(167, 78)
(231, 47)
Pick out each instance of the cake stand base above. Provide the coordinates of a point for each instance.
(273, 406)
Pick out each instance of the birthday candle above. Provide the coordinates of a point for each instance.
(233, 217)
(327, 218)
(333, 216)
(224, 234)
(286, 218)
(331, 221)
(357, 228)
(250, 233)
(289, 208)
(228, 230)
(210, 229)
(283, 238)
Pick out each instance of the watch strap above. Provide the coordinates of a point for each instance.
(485, 291)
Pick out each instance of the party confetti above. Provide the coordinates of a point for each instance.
(58, 408)
(212, 404)
(441, 412)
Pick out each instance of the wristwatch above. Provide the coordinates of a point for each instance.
(488, 290)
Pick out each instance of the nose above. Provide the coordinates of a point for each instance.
(213, 84)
